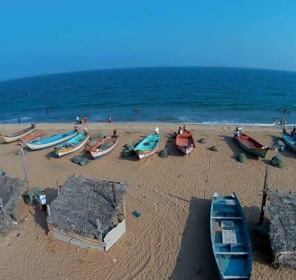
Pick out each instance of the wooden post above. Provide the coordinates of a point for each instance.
(264, 194)
(26, 174)
(2, 206)
(114, 195)
(99, 227)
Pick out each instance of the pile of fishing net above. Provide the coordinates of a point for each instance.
(242, 158)
(164, 153)
(277, 161)
(129, 149)
(280, 146)
(80, 160)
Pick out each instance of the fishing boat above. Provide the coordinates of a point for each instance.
(51, 141)
(230, 238)
(72, 145)
(16, 136)
(251, 146)
(103, 146)
(185, 142)
(34, 135)
(290, 141)
(147, 146)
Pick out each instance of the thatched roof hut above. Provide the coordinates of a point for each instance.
(10, 191)
(87, 208)
(281, 211)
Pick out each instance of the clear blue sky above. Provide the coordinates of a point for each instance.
(40, 37)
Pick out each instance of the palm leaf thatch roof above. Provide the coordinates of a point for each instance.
(10, 191)
(281, 211)
(83, 201)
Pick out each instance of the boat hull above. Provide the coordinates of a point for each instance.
(51, 141)
(97, 153)
(251, 146)
(230, 238)
(290, 141)
(185, 142)
(62, 151)
(148, 146)
(16, 136)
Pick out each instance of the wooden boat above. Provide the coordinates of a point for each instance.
(230, 238)
(36, 134)
(16, 136)
(290, 141)
(251, 146)
(185, 142)
(103, 146)
(72, 145)
(51, 141)
(147, 146)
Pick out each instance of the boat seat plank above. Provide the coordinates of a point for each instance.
(226, 218)
(231, 253)
(236, 277)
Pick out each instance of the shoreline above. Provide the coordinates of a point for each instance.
(171, 237)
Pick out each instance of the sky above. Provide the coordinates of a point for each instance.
(46, 37)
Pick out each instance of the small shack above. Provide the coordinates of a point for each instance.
(281, 211)
(88, 213)
(11, 190)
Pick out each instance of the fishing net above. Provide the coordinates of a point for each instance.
(84, 161)
(277, 161)
(164, 153)
(131, 145)
(127, 153)
(105, 146)
(242, 158)
(76, 159)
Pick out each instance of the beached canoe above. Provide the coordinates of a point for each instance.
(34, 135)
(230, 238)
(251, 146)
(185, 142)
(72, 145)
(290, 141)
(16, 136)
(103, 146)
(51, 141)
(147, 146)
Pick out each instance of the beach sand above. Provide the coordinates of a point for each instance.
(171, 239)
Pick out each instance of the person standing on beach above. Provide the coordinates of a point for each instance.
(42, 201)
(19, 120)
(109, 119)
(85, 119)
(77, 120)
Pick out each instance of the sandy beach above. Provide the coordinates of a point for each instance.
(171, 238)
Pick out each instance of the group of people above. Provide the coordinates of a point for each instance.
(182, 130)
(81, 120)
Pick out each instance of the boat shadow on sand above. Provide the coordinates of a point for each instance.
(170, 145)
(195, 259)
(287, 152)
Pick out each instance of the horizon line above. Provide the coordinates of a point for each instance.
(142, 67)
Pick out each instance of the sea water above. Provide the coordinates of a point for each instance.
(206, 95)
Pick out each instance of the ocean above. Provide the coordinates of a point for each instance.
(205, 95)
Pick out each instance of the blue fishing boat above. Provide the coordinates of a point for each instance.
(72, 145)
(51, 141)
(230, 238)
(290, 141)
(147, 146)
